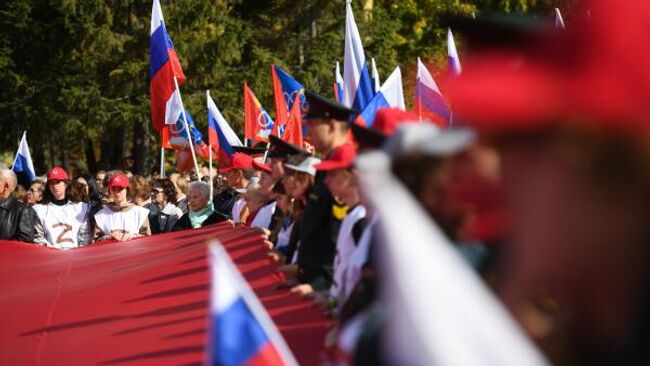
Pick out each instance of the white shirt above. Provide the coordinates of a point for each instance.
(236, 210)
(284, 236)
(61, 223)
(345, 247)
(264, 215)
(172, 210)
(359, 257)
(129, 221)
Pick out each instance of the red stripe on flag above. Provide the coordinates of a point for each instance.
(281, 108)
(267, 355)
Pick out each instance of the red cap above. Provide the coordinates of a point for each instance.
(57, 173)
(388, 119)
(261, 167)
(341, 158)
(118, 180)
(593, 74)
(238, 161)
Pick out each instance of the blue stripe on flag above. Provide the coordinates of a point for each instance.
(158, 55)
(433, 102)
(21, 167)
(364, 91)
(237, 335)
(377, 103)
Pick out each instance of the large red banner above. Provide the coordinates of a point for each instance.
(142, 302)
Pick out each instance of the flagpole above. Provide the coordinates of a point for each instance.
(187, 129)
(162, 162)
(207, 98)
(16, 157)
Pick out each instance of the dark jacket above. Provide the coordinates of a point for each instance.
(184, 222)
(224, 201)
(16, 221)
(318, 232)
(154, 217)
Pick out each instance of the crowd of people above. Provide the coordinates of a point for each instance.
(542, 193)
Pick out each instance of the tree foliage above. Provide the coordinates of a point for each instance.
(74, 73)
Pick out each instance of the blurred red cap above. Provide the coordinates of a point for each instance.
(593, 74)
(341, 158)
(387, 120)
(261, 166)
(238, 161)
(57, 173)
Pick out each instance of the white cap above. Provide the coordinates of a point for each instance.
(306, 165)
(428, 139)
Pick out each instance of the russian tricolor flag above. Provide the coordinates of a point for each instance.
(164, 67)
(242, 333)
(257, 122)
(429, 102)
(452, 55)
(23, 166)
(358, 87)
(339, 85)
(221, 136)
(285, 90)
(391, 95)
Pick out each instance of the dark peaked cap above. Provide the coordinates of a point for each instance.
(323, 108)
(249, 150)
(280, 148)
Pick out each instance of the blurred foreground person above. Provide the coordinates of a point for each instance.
(65, 220)
(202, 212)
(17, 220)
(121, 220)
(574, 134)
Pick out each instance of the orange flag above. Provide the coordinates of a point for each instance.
(293, 130)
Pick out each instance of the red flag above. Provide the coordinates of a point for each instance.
(164, 137)
(257, 122)
(278, 98)
(293, 130)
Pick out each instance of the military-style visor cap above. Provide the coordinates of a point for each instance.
(281, 149)
(319, 107)
(252, 151)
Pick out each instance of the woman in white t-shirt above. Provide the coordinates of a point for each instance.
(121, 220)
(60, 217)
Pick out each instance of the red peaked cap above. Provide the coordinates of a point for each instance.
(341, 158)
(261, 166)
(118, 180)
(387, 120)
(594, 73)
(57, 173)
(239, 161)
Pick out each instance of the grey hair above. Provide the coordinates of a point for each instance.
(10, 176)
(200, 186)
